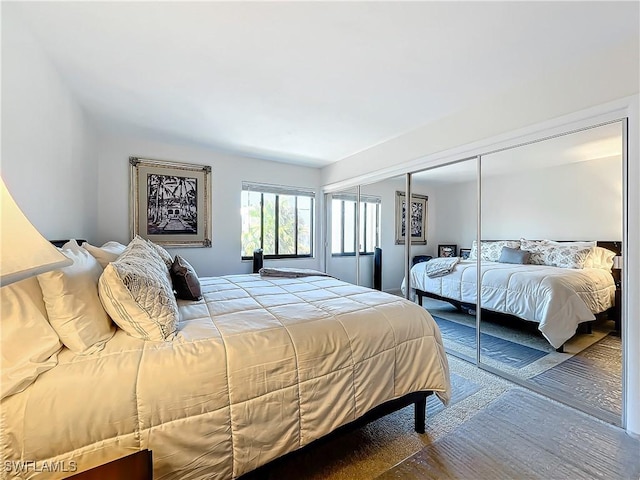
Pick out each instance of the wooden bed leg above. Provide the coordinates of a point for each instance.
(419, 297)
(421, 414)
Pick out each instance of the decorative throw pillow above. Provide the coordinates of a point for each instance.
(28, 343)
(589, 262)
(136, 292)
(105, 254)
(490, 250)
(558, 254)
(568, 257)
(185, 280)
(514, 255)
(166, 256)
(73, 306)
(539, 249)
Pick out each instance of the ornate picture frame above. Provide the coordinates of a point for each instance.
(418, 218)
(170, 202)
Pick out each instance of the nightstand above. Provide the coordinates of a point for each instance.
(137, 466)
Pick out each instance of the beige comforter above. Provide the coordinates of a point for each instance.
(260, 367)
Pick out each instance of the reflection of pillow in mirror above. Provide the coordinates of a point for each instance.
(490, 250)
(538, 250)
(592, 243)
(514, 255)
(589, 262)
(601, 258)
(568, 257)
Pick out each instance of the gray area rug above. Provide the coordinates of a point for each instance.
(591, 376)
(521, 435)
(501, 350)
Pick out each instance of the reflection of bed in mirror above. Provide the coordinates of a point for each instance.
(557, 298)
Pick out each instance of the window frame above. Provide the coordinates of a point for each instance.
(277, 190)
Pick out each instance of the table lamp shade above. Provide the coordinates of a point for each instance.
(23, 251)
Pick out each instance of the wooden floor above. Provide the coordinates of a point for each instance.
(524, 436)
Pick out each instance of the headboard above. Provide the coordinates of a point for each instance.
(613, 246)
(60, 243)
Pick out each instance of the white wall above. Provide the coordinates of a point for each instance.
(228, 172)
(605, 76)
(454, 213)
(48, 144)
(579, 201)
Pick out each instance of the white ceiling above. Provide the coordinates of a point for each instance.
(306, 82)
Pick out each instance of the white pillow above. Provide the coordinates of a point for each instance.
(490, 250)
(28, 344)
(602, 258)
(105, 254)
(73, 306)
(136, 292)
(591, 243)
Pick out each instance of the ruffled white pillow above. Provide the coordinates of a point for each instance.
(73, 306)
(28, 343)
(105, 254)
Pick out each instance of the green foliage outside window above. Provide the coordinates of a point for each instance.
(263, 223)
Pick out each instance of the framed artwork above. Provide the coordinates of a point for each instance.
(417, 216)
(465, 253)
(171, 202)
(447, 250)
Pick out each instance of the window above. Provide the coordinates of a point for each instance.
(277, 219)
(343, 224)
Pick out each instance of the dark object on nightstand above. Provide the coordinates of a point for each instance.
(420, 259)
(257, 260)
(137, 466)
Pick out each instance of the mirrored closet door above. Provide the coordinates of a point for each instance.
(551, 229)
(340, 253)
(446, 291)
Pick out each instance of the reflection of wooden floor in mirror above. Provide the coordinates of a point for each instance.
(588, 373)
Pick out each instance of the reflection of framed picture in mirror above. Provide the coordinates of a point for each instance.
(465, 253)
(418, 219)
(447, 250)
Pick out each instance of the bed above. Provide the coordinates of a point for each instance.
(557, 298)
(255, 369)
